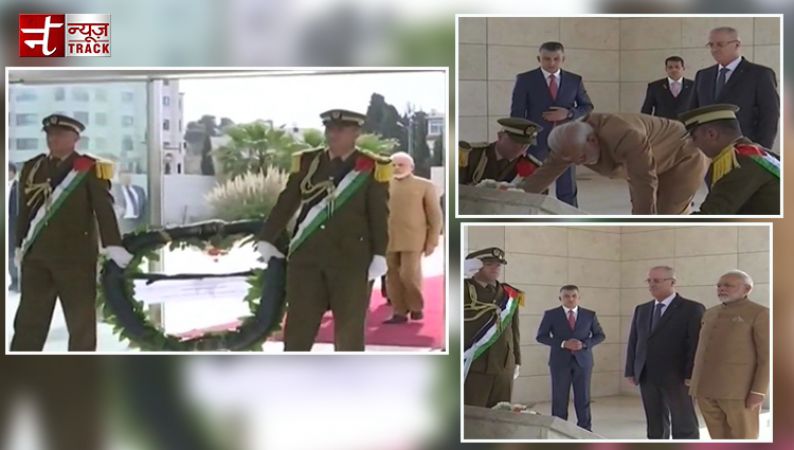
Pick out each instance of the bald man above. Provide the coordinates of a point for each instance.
(662, 166)
(414, 230)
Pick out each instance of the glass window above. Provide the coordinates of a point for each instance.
(27, 144)
(101, 95)
(166, 101)
(127, 121)
(60, 94)
(25, 120)
(436, 127)
(84, 143)
(80, 94)
(127, 97)
(126, 143)
(82, 116)
(26, 95)
(101, 119)
(166, 125)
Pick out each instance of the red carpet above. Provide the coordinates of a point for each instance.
(428, 332)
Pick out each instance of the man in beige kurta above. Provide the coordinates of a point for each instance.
(656, 157)
(414, 230)
(731, 375)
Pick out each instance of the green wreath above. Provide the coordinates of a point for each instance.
(265, 297)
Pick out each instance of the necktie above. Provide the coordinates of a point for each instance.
(720, 82)
(571, 320)
(657, 315)
(553, 87)
(675, 88)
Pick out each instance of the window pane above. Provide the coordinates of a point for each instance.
(166, 101)
(84, 143)
(101, 95)
(126, 121)
(80, 94)
(25, 95)
(25, 119)
(101, 119)
(166, 125)
(82, 116)
(60, 94)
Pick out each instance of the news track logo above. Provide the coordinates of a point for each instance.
(59, 35)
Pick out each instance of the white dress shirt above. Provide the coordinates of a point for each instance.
(731, 68)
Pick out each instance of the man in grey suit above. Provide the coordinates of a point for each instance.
(661, 355)
(130, 203)
(736, 81)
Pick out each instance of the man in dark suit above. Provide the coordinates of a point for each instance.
(549, 95)
(661, 355)
(571, 332)
(669, 96)
(13, 208)
(736, 81)
(130, 204)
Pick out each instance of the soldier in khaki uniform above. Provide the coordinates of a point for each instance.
(505, 160)
(663, 169)
(413, 232)
(339, 245)
(744, 178)
(490, 309)
(731, 374)
(63, 197)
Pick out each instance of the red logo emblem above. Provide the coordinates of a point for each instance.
(42, 35)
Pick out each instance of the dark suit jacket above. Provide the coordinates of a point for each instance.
(667, 354)
(753, 88)
(13, 208)
(531, 98)
(139, 199)
(554, 329)
(659, 101)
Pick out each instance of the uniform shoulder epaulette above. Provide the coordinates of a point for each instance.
(297, 157)
(466, 148)
(103, 167)
(383, 166)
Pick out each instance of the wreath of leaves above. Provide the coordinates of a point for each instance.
(265, 297)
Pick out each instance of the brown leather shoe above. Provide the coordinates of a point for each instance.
(396, 319)
(417, 315)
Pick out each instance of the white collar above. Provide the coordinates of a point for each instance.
(670, 81)
(547, 74)
(731, 65)
(667, 300)
(567, 311)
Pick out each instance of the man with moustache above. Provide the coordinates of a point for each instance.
(491, 339)
(660, 356)
(731, 375)
(340, 195)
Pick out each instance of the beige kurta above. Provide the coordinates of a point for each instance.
(661, 164)
(732, 357)
(415, 218)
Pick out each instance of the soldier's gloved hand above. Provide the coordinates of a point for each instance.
(18, 257)
(471, 266)
(377, 268)
(119, 255)
(515, 373)
(268, 250)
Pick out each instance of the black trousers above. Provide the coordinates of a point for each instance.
(669, 404)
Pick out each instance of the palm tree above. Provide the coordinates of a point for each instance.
(254, 147)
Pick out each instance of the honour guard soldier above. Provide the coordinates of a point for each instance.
(744, 178)
(492, 352)
(63, 197)
(339, 244)
(505, 160)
